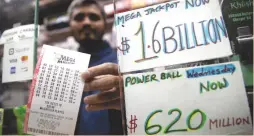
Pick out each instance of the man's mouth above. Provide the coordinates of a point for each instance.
(87, 34)
(87, 30)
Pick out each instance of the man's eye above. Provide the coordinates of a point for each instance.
(79, 17)
(94, 17)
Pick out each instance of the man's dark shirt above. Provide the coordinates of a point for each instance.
(105, 121)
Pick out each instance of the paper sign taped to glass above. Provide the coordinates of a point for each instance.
(56, 92)
(18, 59)
(209, 99)
(170, 33)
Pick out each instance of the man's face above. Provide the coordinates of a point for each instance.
(87, 23)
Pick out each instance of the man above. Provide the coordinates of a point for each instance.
(100, 108)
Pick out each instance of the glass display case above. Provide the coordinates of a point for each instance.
(26, 25)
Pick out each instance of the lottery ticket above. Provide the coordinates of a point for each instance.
(55, 92)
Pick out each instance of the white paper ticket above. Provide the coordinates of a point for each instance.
(56, 91)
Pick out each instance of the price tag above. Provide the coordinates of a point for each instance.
(56, 91)
(210, 99)
(176, 32)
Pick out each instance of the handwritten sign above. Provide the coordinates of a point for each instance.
(200, 100)
(18, 59)
(175, 32)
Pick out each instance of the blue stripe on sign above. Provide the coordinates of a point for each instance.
(210, 70)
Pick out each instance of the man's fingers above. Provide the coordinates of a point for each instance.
(115, 104)
(103, 69)
(103, 97)
(105, 83)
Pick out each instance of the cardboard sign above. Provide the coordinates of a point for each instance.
(18, 59)
(175, 32)
(200, 100)
(56, 92)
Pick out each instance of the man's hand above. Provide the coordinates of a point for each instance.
(104, 78)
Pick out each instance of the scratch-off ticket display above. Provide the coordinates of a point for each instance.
(56, 91)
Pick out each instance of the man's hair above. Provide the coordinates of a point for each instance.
(81, 3)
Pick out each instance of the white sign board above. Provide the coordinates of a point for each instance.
(56, 92)
(200, 100)
(175, 32)
(18, 59)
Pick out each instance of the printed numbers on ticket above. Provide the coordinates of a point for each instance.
(56, 91)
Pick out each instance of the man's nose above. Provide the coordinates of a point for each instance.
(86, 21)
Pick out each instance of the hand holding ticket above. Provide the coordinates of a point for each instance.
(104, 78)
(56, 91)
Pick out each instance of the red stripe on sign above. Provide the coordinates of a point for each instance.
(31, 94)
